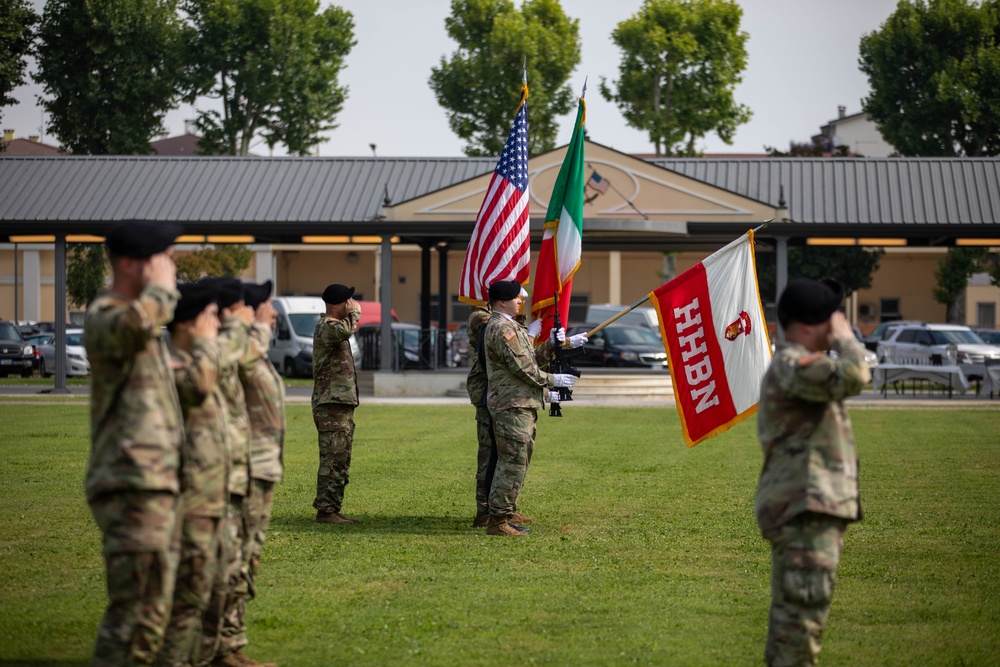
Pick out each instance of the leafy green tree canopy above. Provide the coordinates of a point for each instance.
(274, 67)
(952, 278)
(86, 268)
(16, 22)
(681, 61)
(228, 261)
(478, 84)
(934, 71)
(109, 71)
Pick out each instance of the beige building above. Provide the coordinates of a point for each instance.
(397, 228)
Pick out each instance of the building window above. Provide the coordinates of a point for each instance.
(986, 314)
(889, 309)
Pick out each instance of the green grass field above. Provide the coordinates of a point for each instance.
(644, 551)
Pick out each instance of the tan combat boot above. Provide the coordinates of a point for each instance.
(502, 527)
(333, 517)
(521, 519)
(481, 520)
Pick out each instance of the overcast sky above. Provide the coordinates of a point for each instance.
(802, 64)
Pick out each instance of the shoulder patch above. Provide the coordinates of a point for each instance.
(510, 334)
(806, 360)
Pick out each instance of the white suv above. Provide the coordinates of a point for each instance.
(935, 344)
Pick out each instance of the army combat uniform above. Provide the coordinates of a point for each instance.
(204, 476)
(516, 387)
(808, 490)
(132, 485)
(265, 396)
(231, 586)
(476, 385)
(334, 397)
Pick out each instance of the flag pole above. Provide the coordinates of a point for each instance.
(644, 299)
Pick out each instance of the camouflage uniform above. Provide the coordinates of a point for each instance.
(231, 585)
(516, 388)
(204, 476)
(476, 385)
(808, 490)
(265, 393)
(334, 397)
(132, 485)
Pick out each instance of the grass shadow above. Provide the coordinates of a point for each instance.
(378, 525)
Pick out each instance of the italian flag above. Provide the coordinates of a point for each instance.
(562, 240)
(716, 340)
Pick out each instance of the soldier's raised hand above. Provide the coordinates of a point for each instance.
(160, 270)
(266, 314)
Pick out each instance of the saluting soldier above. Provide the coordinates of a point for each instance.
(233, 583)
(334, 397)
(265, 395)
(515, 394)
(808, 489)
(136, 432)
(204, 470)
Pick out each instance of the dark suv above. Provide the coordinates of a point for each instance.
(16, 356)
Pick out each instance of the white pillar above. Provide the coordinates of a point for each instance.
(615, 276)
(266, 266)
(31, 284)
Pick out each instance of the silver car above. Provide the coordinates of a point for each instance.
(76, 355)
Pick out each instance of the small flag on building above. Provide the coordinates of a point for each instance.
(716, 340)
(598, 183)
(500, 247)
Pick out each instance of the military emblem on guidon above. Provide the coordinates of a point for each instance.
(741, 325)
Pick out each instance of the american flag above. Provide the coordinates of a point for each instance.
(500, 248)
(598, 183)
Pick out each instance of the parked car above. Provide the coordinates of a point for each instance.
(936, 344)
(76, 355)
(881, 332)
(16, 356)
(641, 316)
(621, 345)
(408, 343)
(989, 336)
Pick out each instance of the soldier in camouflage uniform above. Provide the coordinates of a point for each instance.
(265, 395)
(232, 585)
(334, 397)
(204, 469)
(514, 396)
(808, 490)
(136, 431)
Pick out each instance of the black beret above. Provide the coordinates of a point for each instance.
(227, 290)
(140, 239)
(195, 297)
(337, 293)
(809, 301)
(504, 290)
(254, 294)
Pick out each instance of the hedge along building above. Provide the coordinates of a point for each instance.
(398, 228)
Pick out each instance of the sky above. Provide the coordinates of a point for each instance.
(802, 64)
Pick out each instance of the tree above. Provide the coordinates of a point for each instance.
(478, 85)
(222, 260)
(16, 23)
(273, 65)
(681, 60)
(86, 268)
(851, 266)
(109, 70)
(952, 278)
(934, 71)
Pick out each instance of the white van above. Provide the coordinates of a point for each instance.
(643, 316)
(292, 344)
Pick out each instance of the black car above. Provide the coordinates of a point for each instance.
(16, 356)
(621, 345)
